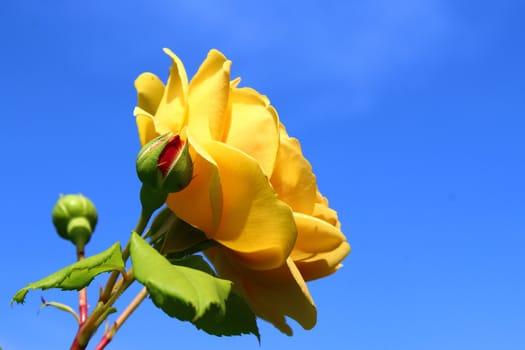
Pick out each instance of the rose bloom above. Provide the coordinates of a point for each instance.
(252, 190)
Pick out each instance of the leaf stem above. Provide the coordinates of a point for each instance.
(102, 310)
(108, 336)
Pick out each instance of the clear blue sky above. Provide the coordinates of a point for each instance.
(412, 113)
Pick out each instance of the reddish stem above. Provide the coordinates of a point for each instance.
(82, 306)
(82, 295)
(76, 345)
(110, 333)
(103, 342)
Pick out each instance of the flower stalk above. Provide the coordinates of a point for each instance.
(139, 229)
(82, 294)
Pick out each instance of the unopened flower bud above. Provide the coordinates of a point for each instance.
(164, 164)
(75, 218)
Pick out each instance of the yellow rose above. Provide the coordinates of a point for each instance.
(273, 235)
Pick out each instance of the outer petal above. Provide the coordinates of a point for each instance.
(272, 294)
(254, 127)
(149, 92)
(320, 247)
(323, 264)
(292, 177)
(145, 126)
(255, 224)
(171, 113)
(208, 98)
(324, 212)
(200, 204)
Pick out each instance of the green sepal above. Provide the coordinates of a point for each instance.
(147, 160)
(78, 275)
(158, 226)
(193, 261)
(180, 238)
(61, 307)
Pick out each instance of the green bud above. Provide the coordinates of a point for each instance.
(164, 164)
(75, 218)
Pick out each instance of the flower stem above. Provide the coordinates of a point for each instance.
(108, 336)
(110, 284)
(143, 221)
(82, 294)
(82, 306)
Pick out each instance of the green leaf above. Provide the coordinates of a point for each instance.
(238, 319)
(78, 275)
(182, 292)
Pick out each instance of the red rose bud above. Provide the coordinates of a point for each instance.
(164, 164)
(75, 218)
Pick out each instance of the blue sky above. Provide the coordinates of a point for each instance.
(411, 113)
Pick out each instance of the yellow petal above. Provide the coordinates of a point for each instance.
(323, 212)
(145, 125)
(171, 113)
(255, 224)
(149, 92)
(320, 247)
(292, 177)
(323, 264)
(272, 294)
(208, 98)
(282, 130)
(235, 82)
(254, 127)
(200, 204)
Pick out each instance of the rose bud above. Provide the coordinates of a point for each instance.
(75, 218)
(164, 164)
